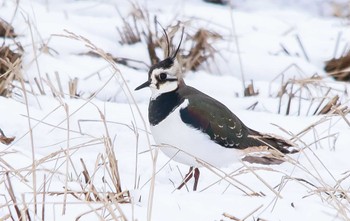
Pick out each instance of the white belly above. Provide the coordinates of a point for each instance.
(185, 144)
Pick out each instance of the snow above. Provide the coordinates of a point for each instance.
(58, 143)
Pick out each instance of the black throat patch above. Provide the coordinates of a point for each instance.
(162, 106)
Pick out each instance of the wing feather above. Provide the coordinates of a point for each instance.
(214, 119)
(223, 127)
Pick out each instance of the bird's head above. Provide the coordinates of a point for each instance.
(164, 76)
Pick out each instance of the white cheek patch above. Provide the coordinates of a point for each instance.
(158, 88)
(153, 81)
(163, 88)
(170, 84)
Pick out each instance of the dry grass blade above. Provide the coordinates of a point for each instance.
(313, 90)
(302, 48)
(93, 210)
(73, 88)
(88, 181)
(219, 2)
(131, 63)
(334, 102)
(339, 68)
(43, 200)
(113, 163)
(342, 111)
(262, 180)
(25, 211)
(232, 181)
(253, 106)
(152, 188)
(115, 202)
(321, 102)
(201, 50)
(10, 65)
(7, 217)
(13, 197)
(6, 29)
(5, 140)
(58, 80)
(30, 128)
(252, 212)
(151, 47)
(238, 46)
(8, 167)
(231, 217)
(250, 91)
(130, 33)
(41, 89)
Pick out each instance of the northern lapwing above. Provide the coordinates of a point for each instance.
(191, 127)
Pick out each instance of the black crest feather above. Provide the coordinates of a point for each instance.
(178, 47)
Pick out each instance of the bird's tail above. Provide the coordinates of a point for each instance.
(272, 141)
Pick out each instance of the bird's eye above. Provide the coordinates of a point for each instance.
(162, 76)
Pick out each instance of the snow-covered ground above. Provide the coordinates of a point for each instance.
(55, 134)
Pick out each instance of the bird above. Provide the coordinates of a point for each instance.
(193, 128)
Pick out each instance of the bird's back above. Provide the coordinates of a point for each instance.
(225, 128)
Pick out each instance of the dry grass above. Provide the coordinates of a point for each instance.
(106, 204)
(5, 140)
(32, 205)
(73, 88)
(145, 27)
(6, 29)
(250, 90)
(65, 167)
(114, 174)
(339, 68)
(313, 91)
(99, 186)
(10, 66)
(340, 9)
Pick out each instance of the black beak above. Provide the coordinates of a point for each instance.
(146, 84)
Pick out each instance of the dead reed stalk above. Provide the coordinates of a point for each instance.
(10, 67)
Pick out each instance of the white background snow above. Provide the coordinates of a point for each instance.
(261, 27)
